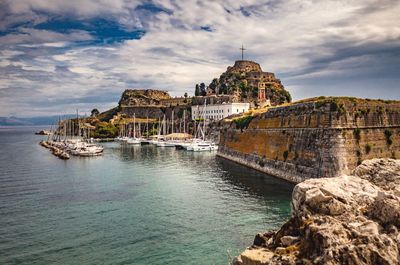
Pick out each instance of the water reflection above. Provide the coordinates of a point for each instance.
(236, 176)
(250, 180)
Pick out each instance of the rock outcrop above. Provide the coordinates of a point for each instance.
(242, 81)
(343, 220)
(142, 97)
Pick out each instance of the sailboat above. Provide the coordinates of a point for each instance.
(133, 140)
(199, 143)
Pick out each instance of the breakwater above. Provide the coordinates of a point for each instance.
(324, 137)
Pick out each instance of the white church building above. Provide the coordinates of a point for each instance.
(218, 111)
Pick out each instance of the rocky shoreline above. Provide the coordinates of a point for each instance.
(342, 220)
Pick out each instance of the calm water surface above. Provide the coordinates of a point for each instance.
(134, 205)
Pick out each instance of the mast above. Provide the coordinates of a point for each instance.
(164, 127)
(65, 130)
(134, 130)
(73, 129)
(140, 129)
(159, 127)
(147, 125)
(173, 121)
(184, 121)
(79, 125)
(204, 123)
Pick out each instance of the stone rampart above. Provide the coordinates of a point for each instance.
(315, 139)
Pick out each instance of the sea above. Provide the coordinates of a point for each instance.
(133, 205)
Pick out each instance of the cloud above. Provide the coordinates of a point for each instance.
(65, 54)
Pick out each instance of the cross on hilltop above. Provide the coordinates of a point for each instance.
(242, 51)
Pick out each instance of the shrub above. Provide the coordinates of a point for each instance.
(388, 135)
(338, 107)
(368, 148)
(357, 133)
(358, 153)
(243, 122)
(285, 154)
(105, 130)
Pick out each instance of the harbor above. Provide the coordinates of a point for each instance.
(134, 204)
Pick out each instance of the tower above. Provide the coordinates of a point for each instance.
(261, 91)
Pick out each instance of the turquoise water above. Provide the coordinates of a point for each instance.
(134, 205)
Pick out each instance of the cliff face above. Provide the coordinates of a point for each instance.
(342, 220)
(321, 138)
(142, 97)
(152, 103)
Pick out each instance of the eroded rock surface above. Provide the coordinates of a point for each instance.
(343, 220)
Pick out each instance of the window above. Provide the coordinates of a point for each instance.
(237, 110)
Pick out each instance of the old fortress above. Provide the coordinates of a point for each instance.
(241, 87)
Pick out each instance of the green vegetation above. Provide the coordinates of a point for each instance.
(358, 153)
(200, 90)
(357, 134)
(94, 113)
(285, 155)
(108, 115)
(368, 148)
(105, 130)
(388, 135)
(203, 90)
(284, 96)
(214, 84)
(339, 107)
(151, 132)
(243, 122)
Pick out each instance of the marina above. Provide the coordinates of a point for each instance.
(133, 204)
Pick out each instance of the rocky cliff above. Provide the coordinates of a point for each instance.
(324, 137)
(152, 103)
(343, 220)
(142, 97)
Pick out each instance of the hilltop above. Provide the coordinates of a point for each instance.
(246, 81)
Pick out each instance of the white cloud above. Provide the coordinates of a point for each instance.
(301, 40)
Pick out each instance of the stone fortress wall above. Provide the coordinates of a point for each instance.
(315, 139)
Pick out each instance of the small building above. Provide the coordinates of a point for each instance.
(214, 112)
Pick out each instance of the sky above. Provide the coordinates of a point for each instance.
(58, 56)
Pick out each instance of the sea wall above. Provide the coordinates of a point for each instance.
(321, 138)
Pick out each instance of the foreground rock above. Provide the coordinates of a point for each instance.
(343, 220)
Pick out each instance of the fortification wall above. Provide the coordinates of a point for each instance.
(244, 66)
(313, 140)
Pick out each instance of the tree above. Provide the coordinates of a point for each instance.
(94, 112)
(213, 85)
(197, 90)
(185, 95)
(203, 91)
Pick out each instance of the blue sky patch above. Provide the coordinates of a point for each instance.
(103, 31)
(153, 8)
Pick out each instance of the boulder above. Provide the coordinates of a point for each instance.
(343, 220)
